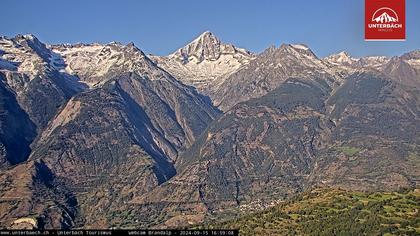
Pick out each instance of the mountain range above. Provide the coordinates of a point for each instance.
(105, 136)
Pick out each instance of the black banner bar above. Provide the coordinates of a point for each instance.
(122, 232)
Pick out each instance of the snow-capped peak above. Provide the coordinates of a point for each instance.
(300, 46)
(206, 38)
(29, 36)
(346, 62)
(206, 34)
(96, 63)
(24, 54)
(205, 47)
(204, 62)
(341, 58)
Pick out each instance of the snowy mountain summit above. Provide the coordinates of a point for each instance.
(205, 62)
(344, 61)
(341, 58)
(207, 47)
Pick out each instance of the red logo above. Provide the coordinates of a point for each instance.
(384, 19)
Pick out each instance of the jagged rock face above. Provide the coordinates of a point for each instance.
(44, 78)
(16, 129)
(24, 54)
(32, 91)
(206, 47)
(272, 67)
(104, 145)
(299, 135)
(205, 62)
(268, 71)
(342, 58)
(95, 64)
(163, 119)
(39, 87)
(405, 69)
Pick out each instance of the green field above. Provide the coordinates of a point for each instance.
(335, 212)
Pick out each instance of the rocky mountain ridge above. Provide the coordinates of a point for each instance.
(205, 62)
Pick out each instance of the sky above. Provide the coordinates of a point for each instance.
(160, 27)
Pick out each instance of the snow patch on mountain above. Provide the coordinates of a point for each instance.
(205, 62)
(22, 54)
(300, 46)
(96, 63)
(342, 58)
(345, 63)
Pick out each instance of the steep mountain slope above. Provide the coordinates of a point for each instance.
(113, 150)
(268, 71)
(32, 91)
(405, 69)
(205, 62)
(177, 113)
(16, 129)
(32, 197)
(344, 61)
(107, 118)
(39, 87)
(254, 76)
(362, 136)
(376, 136)
(124, 134)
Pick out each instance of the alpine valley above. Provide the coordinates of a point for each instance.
(99, 136)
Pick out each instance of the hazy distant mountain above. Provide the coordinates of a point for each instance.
(346, 62)
(404, 69)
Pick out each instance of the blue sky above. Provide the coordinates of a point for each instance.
(160, 27)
